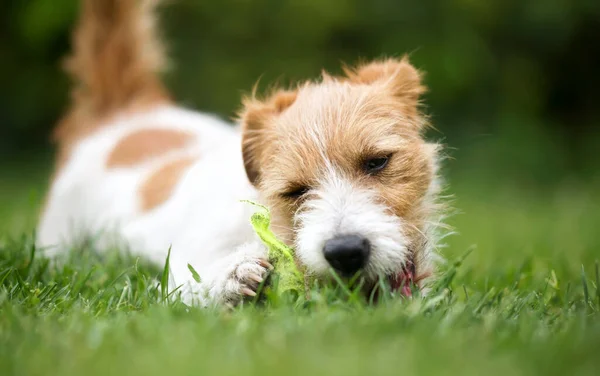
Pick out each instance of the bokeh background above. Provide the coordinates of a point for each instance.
(514, 95)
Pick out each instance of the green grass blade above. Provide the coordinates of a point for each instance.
(195, 274)
(164, 279)
(586, 293)
(598, 283)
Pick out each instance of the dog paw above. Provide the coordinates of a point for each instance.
(240, 282)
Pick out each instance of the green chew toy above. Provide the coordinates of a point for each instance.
(280, 255)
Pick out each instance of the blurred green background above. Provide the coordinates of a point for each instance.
(513, 93)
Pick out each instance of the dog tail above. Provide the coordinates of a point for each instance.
(115, 64)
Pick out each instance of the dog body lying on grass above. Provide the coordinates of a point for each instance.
(340, 162)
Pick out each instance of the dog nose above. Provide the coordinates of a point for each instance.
(347, 253)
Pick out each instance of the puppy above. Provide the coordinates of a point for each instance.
(340, 162)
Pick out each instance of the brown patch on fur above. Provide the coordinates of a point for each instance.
(159, 186)
(142, 145)
(114, 67)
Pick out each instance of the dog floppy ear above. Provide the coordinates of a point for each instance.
(257, 120)
(398, 76)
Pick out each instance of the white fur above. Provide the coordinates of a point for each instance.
(203, 222)
(337, 207)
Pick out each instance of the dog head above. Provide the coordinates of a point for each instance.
(344, 168)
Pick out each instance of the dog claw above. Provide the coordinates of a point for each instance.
(247, 291)
(255, 278)
(266, 264)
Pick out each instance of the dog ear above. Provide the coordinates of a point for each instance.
(257, 120)
(399, 76)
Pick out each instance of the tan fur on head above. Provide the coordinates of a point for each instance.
(255, 117)
(295, 139)
(397, 76)
(115, 63)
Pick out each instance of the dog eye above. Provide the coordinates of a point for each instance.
(296, 193)
(374, 165)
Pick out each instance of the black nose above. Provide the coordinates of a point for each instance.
(347, 253)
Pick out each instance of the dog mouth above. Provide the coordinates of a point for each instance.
(404, 281)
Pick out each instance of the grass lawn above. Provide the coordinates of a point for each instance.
(525, 301)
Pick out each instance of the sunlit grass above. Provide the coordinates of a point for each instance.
(524, 301)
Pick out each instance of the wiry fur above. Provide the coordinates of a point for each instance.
(323, 136)
(136, 169)
(337, 207)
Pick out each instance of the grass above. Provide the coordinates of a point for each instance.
(526, 300)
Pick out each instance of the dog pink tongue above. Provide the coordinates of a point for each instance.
(406, 291)
(403, 283)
